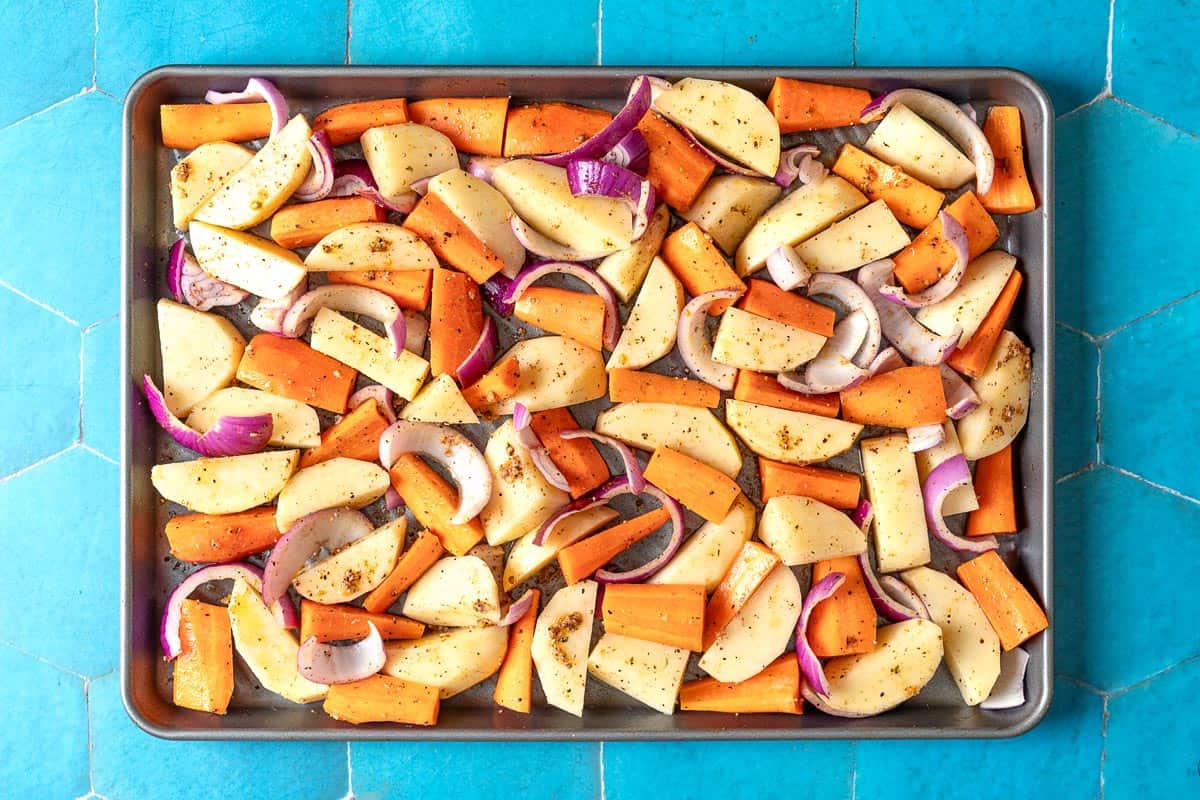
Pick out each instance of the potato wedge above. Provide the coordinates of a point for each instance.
(560, 645)
(330, 484)
(890, 472)
(200, 354)
(727, 118)
(293, 424)
(729, 205)
(804, 531)
(200, 173)
(440, 401)
(693, 431)
(867, 235)
(803, 213)
(625, 270)
(707, 554)
(521, 498)
(225, 485)
(269, 650)
(649, 333)
(760, 632)
(355, 569)
(400, 155)
(247, 261)
(748, 341)
(905, 658)
(792, 437)
(646, 671)
(484, 211)
(526, 559)
(904, 139)
(456, 592)
(555, 372)
(1003, 391)
(338, 337)
(967, 305)
(451, 662)
(370, 246)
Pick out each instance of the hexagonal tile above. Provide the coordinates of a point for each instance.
(101, 404)
(1154, 58)
(929, 34)
(61, 517)
(1122, 178)
(49, 757)
(1155, 724)
(62, 248)
(1074, 401)
(1152, 437)
(55, 60)
(39, 394)
(1123, 549)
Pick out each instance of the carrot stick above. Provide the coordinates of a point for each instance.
(1007, 604)
(451, 240)
(670, 615)
(577, 315)
(844, 623)
(678, 170)
(707, 491)
(699, 265)
(775, 690)
(455, 320)
(355, 435)
(410, 288)
(216, 538)
(902, 398)
(345, 123)
(972, 357)
(631, 386)
(292, 369)
(548, 128)
(187, 126)
(332, 623)
(829, 486)
(422, 554)
(305, 224)
(514, 681)
(1010, 192)
(382, 698)
(806, 106)
(997, 512)
(580, 560)
(767, 300)
(498, 383)
(752, 565)
(203, 679)
(765, 390)
(472, 124)
(913, 202)
(930, 256)
(578, 459)
(433, 501)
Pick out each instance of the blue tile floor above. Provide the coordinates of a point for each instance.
(1121, 76)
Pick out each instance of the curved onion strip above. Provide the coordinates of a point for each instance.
(330, 528)
(721, 161)
(924, 437)
(832, 369)
(852, 297)
(538, 453)
(353, 177)
(544, 247)
(887, 360)
(450, 448)
(417, 328)
(911, 338)
(633, 468)
(392, 499)
(657, 87)
(819, 703)
(598, 497)
(482, 167)
(319, 182)
(190, 284)
(956, 235)
(900, 592)
(887, 606)
(495, 290)
(639, 574)
(945, 478)
(810, 665)
(535, 272)
(625, 120)
(960, 397)
(329, 663)
(792, 162)
(257, 89)
(693, 342)
(787, 269)
(632, 153)
(382, 396)
(594, 178)
(812, 171)
(268, 315)
(351, 300)
(1009, 690)
(862, 515)
(230, 436)
(480, 359)
(516, 610)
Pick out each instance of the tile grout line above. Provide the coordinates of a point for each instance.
(1081, 471)
(1081, 684)
(349, 7)
(1099, 399)
(6, 478)
(65, 670)
(854, 38)
(99, 322)
(1115, 693)
(1108, 63)
(87, 710)
(45, 307)
(599, 32)
(349, 774)
(603, 788)
(98, 454)
(84, 91)
(1106, 336)
(1103, 743)
(854, 757)
(1103, 95)
(1161, 487)
(82, 355)
(95, 42)
(1066, 326)
(1157, 118)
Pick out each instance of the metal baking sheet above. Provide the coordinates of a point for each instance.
(148, 571)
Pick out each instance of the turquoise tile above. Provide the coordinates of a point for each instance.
(472, 32)
(469, 770)
(62, 246)
(740, 32)
(1058, 758)
(1061, 43)
(1075, 392)
(1144, 437)
(129, 764)
(1119, 253)
(55, 60)
(39, 391)
(61, 593)
(50, 755)
(132, 40)
(101, 404)
(1152, 738)
(729, 770)
(1123, 550)
(1155, 59)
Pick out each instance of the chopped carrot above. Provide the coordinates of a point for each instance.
(807, 106)
(670, 615)
(451, 240)
(775, 690)
(514, 682)
(913, 202)
(433, 502)
(763, 389)
(473, 124)
(410, 288)
(345, 123)
(216, 538)
(631, 386)
(333, 623)
(203, 678)
(187, 126)
(997, 512)
(1010, 192)
(580, 560)
(972, 358)
(498, 383)
(578, 459)
(305, 224)
(751, 567)
(678, 170)
(1008, 605)
(707, 491)
(549, 128)
(699, 264)
(292, 369)
(355, 435)
(902, 398)
(382, 698)
(422, 554)
(844, 623)
(576, 315)
(455, 320)
(930, 256)
(767, 300)
(829, 486)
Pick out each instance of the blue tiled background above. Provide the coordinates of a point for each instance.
(1122, 76)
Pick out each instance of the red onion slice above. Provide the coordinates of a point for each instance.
(382, 396)
(832, 369)
(592, 178)
(528, 438)
(257, 89)
(887, 360)
(694, 345)
(863, 514)
(482, 167)
(618, 127)
(517, 610)
(230, 436)
(495, 290)
(392, 499)
(268, 315)
(632, 153)
(960, 397)
(329, 663)
(924, 437)
(657, 87)
(798, 163)
(887, 606)
(351, 300)
(329, 528)
(639, 574)
(947, 116)
(319, 182)
(1009, 690)
(450, 448)
(945, 478)
(852, 297)
(190, 284)
(535, 272)
(633, 468)
(482, 355)
(910, 337)
(418, 329)
(544, 247)
(597, 497)
(787, 269)
(353, 177)
(720, 160)
(899, 591)
(810, 665)
(956, 235)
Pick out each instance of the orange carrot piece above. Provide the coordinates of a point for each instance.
(292, 369)
(187, 126)
(498, 383)
(767, 300)
(707, 491)
(806, 106)
(433, 501)
(305, 224)
(997, 512)
(514, 681)
(829, 486)
(345, 123)
(670, 615)
(332, 623)
(765, 390)
(902, 398)
(699, 264)
(455, 320)
(422, 554)
(971, 358)
(1008, 605)
(410, 288)
(451, 240)
(930, 256)
(631, 385)
(1010, 192)
(677, 169)
(216, 538)
(913, 202)
(752, 565)
(548, 128)
(472, 124)
(576, 315)
(382, 698)
(580, 560)
(204, 667)
(775, 690)
(844, 623)
(578, 459)
(355, 435)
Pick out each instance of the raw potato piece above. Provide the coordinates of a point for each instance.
(267, 648)
(400, 155)
(864, 236)
(355, 569)
(905, 658)
(200, 354)
(521, 498)
(560, 645)
(804, 531)
(759, 633)
(199, 174)
(649, 333)
(646, 671)
(366, 351)
(625, 269)
(440, 401)
(748, 341)
(1003, 391)
(729, 205)
(225, 485)
(456, 592)
(247, 261)
(706, 555)
(708, 108)
(802, 214)
(792, 437)
(526, 559)
(555, 372)
(370, 246)
(890, 472)
(484, 211)
(690, 430)
(330, 484)
(904, 139)
(962, 499)
(451, 662)
(293, 424)
(967, 305)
